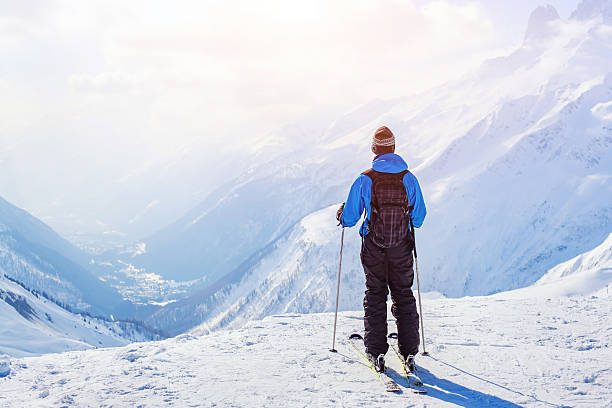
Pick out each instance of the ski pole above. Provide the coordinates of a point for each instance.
(333, 349)
(416, 265)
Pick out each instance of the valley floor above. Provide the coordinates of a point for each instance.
(499, 351)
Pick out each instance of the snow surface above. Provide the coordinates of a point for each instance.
(496, 351)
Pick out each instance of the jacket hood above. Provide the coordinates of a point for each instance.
(389, 163)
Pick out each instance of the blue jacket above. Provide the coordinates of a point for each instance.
(360, 196)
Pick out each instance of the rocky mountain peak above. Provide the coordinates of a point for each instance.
(589, 9)
(538, 26)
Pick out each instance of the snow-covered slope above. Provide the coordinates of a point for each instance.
(515, 161)
(583, 274)
(239, 218)
(485, 351)
(298, 273)
(32, 253)
(34, 325)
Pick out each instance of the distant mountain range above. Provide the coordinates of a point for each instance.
(49, 299)
(34, 323)
(515, 161)
(35, 255)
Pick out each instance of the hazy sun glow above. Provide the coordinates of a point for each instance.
(122, 70)
(94, 92)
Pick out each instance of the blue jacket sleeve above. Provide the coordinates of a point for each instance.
(354, 206)
(415, 197)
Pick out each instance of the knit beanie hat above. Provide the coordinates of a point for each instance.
(383, 137)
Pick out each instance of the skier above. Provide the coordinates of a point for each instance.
(392, 199)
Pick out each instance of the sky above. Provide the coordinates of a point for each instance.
(206, 69)
(111, 86)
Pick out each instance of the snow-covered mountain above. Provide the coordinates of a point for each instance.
(298, 273)
(35, 255)
(495, 351)
(33, 324)
(515, 161)
(583, 274)
(540, 23)
(594, 9)
(257, 206)
(109, 195)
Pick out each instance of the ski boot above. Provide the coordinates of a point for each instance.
(377, 362)
(410, 364)
(411, 372)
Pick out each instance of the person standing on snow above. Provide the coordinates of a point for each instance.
(392, 200)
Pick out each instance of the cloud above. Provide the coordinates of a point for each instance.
(255, 54)
(106, 82)
(193, 69)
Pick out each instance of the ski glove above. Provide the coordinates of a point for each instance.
(339, 214)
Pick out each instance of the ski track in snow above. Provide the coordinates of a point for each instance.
(500, 351)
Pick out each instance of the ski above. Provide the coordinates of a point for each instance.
(356, 341)
(414, 381)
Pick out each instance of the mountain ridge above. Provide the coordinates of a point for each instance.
(517, 186)
(33, 324)
(32, 253)
(527, 101)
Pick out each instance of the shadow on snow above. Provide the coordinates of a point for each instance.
(451, 392)
(454, 393)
